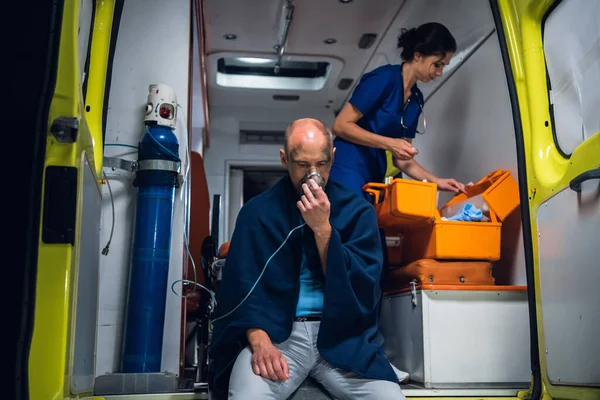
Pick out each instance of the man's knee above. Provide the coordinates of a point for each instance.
(245, 384)
(382, 390)
(252, 386)
(251, 391)
(346, 384)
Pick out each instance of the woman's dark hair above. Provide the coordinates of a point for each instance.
(428, 39)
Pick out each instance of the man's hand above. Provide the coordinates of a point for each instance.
(314, 206)
(267, 361)
(450, 185)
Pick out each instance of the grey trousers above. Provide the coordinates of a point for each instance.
(304, 360)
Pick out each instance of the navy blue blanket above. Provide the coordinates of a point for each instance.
(348, 335)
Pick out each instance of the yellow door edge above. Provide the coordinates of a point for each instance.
(51, 352)
(548, 171)
(94, 107)
(49, 347)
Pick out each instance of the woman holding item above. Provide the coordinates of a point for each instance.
(384, 110)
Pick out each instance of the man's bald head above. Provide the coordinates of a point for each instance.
(306, 130)
(308, 146)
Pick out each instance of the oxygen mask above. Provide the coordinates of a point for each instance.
(315, 176)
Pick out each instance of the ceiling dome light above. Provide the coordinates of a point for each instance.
(330, 41)
(345, 1)
(230, 36)
(254, 60)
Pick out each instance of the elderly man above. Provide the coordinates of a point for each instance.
(300, 292)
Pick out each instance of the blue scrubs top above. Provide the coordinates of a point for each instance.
(379, 96)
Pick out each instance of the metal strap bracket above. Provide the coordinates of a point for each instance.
(144, 165)
(159, 165)
(118, 163)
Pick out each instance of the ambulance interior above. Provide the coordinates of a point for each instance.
(464, 333)
(472, 339)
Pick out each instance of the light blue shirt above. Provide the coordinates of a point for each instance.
(310, 300)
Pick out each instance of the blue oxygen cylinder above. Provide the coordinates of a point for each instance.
(156, 180)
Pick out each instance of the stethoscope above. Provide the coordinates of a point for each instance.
(422, 112)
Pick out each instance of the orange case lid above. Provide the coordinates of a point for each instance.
(499, 190)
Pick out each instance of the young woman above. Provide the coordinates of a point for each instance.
(384, 110)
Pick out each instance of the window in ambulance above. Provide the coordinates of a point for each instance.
(259, 73)
(572, 49)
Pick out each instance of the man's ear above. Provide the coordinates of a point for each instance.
(332, 156)
(283, 158)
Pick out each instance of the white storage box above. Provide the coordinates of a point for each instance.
(459, 338)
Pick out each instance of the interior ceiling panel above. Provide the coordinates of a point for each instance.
(255, 23)
(470, 24)
(258, 25)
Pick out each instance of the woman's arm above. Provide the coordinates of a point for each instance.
(345, 126)
(413, 169)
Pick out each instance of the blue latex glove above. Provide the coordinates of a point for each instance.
(468, 213)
